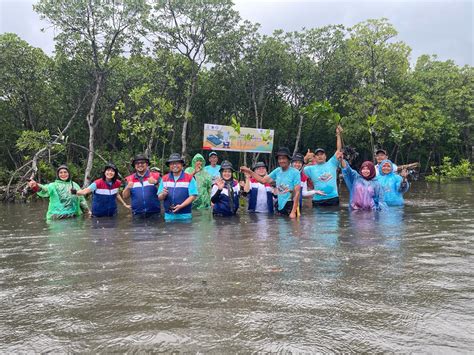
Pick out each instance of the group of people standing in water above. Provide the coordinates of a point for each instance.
(213, 186)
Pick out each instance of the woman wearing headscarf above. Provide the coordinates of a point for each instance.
(63, 201)
(225, 192)
(393, 185)
(204, 182)
(365, 191)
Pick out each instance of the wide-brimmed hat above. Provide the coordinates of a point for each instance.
(298, 157)
(283, 151)
(226, 165)
(174, 157)
(139, 157)
(259, 164)
(110, 165)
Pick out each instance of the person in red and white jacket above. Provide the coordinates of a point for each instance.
(261, 198)
(142, 188)
(105, 193)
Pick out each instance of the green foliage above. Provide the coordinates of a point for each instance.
(145, 119)
(208, 66)
(447, 171)
(31, 141)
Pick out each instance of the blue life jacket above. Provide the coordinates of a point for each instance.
(178, 191)
(143, 194)
(104, 201)
(253, 195)
(223, 206)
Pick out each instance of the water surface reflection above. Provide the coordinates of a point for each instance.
(334, 281)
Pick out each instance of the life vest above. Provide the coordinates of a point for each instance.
(104, 201)
(178, 191)
(223, 206)
(143, 194)
(253, 196)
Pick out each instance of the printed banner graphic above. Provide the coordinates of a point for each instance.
(255, 140)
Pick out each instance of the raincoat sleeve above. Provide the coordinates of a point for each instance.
(379, 197)
(349, 175)
(44, 190)
(82, 200)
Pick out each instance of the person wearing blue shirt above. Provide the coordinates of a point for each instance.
(288, 183)
(178, 190)
(213, 168)
(323, 174)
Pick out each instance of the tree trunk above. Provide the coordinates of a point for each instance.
(90, 118)
(298, 133)
(186, 114)
(183, 136)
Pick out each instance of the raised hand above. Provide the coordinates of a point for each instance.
(308, 156)
(246, 170)
(198, 167)
(339, 129)
(220, 183)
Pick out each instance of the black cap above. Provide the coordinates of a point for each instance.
(259, 164)
(226, 165)
(380, 151)
(298, 157)
(319, 150)
(174, 157)
(212, 153)
(139, 157)
(283, 151)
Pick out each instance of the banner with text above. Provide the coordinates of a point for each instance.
(255, 140)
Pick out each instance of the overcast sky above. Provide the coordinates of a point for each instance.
(442, 27)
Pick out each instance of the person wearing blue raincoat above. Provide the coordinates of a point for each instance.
(393, 185)
(365, 191)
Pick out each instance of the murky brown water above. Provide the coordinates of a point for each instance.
(334, 281)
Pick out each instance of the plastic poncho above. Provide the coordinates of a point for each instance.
(204, 183)
(364, 194)
(62, 204)
(392, 185)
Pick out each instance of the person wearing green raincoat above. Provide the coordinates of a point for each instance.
(63, 201)
(204, 182)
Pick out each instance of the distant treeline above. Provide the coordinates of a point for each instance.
(135, 76)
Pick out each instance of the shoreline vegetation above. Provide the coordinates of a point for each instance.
(142, 76)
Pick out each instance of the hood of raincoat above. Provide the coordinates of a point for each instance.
(196, 158)
(382, 164)
(371, 167)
